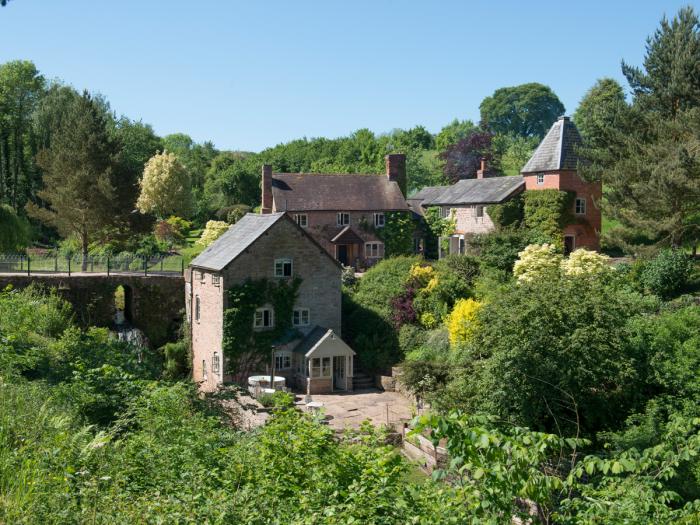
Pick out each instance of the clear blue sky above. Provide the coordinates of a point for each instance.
(247, 75)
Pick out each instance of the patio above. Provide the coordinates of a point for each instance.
(349, 410)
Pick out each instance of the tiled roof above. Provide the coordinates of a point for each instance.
(235, 240)
(315, 338)
(331, 192)
(557, 149)
(491, 190)
(347, 236)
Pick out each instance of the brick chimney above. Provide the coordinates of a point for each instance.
(481, 172)
(266, 206)
(396, 170)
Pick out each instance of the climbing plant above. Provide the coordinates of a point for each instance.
(240, 337)
(509, 213)
(439, 231)
(546, 213)
(397, 234)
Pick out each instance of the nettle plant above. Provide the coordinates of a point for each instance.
(240, 339)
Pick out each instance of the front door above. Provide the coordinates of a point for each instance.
(569, 244)
(342, 254)
(339, 372)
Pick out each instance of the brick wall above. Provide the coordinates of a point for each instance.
(587, 228)
(207, 332)
(468, 223)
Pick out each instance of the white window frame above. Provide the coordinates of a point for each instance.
(259, 318)
(197, 308)
(302, 219)
(280, 267)
(283, 360)
(215, 364)
(371, 248)
(540, 178)
(582, 202)
(379, 220)
(301, 317)
(215, 279)
(343, 218)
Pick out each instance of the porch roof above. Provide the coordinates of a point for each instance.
(347, 236)
(322, 340)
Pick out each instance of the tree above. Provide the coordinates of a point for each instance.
(599, 108)
(231, 180)
(463, 159)
(453, 132)
(669, 82)
(78, 174)
(195, 157)
(165, 187)
(527, 110)
(212, 231)
(14, 230)
(21, 87)
(511, 152)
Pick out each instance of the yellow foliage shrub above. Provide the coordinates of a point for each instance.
(420, 276)
(462, 322)
(212, 231)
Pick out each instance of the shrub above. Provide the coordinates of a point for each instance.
(667, 273)
(410, 338)
(212, 231)
(537, 261)
(499, 249)
(462, 322)
(585, 262)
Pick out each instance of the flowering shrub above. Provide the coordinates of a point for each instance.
(462, 321)
(535, 261)
(212, 231)
(585, 262)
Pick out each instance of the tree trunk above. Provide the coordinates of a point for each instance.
(84, 264)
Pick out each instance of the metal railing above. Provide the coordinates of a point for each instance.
(109, 265)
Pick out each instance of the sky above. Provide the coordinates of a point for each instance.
(249, 75)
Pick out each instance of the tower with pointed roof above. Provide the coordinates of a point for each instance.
(554, 166)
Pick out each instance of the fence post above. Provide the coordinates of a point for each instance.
(69, 258)
(182, 265)
(161, 265)
(29, 271)
(145, 267)
(55, 262)
(108, 266)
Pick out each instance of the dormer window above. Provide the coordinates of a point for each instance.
(379, 220)
(540, 178)
(343, 219)
(580, 206)
(283, 267)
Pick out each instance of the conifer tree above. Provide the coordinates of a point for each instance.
(78, 169)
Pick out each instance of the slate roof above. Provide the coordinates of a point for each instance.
(415, 201)
(314, 338)
(347, 236)
(330, 192)
(235, 240)
(492, 190)
(557, 149)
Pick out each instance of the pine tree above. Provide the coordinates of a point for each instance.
(78, 170)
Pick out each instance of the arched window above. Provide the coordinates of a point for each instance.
(215, 366)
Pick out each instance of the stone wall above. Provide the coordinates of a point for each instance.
(155, 304)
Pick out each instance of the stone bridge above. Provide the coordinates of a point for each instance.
(155, 303)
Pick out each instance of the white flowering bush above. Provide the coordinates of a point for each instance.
(165, 187)
(535, 261)
(585, 262)
(212, 231)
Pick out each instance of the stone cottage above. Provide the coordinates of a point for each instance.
(553, 165)
(344, 213)
(274, 247)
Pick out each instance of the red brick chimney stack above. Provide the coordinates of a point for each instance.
(481, 172)
(266, 189)
(396, 170)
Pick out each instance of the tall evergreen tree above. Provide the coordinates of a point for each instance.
(78, 174)
(648, 155)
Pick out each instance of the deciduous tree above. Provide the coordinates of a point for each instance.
(165, 187)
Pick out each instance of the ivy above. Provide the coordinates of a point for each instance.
(507, 213)
(240, 338)
(546, 213)
(397, 233)
(439, 230)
